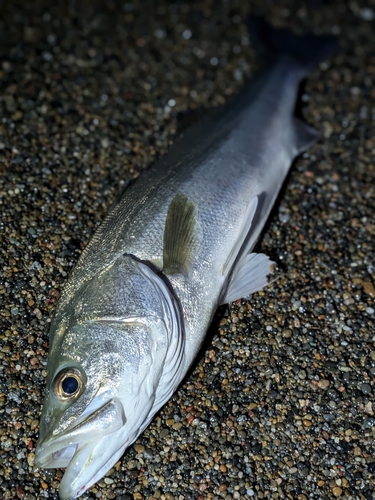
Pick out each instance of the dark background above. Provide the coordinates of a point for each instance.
(281, 404)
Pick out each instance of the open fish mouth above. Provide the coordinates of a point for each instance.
(57, 459)
(62, 458)
(65, 455)
(85, 464)
(89, 464)
(74, 448)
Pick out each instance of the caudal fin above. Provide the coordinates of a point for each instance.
(309, 50)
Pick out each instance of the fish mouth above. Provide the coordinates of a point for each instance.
(58, 459)
(79, 448)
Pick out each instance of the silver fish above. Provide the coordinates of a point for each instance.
(136, 308)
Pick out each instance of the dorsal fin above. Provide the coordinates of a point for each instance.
(181, 235)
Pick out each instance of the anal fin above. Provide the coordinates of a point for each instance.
(251, 274)
(181, 235)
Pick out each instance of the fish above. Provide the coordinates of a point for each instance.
(136, 308)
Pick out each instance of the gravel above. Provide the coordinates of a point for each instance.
(280, 403)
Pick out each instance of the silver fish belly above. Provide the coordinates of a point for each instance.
(137, 306)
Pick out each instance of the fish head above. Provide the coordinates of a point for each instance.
(103, 377)
(84, 412)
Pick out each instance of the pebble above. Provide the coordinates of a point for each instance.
(368, 287)
(323, 383)
(337, 491)
(20, 491)
(366, 388)
(34, 424)
(90, 97)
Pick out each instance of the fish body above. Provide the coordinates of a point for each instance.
(136, 308)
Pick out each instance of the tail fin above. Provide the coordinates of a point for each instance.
(308, 50)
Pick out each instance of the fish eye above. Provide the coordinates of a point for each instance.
(68, 384)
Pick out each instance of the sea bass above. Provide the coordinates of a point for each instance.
(135, 310)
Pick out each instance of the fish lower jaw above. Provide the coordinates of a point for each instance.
(89, 464)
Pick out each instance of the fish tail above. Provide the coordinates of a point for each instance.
(308, 50)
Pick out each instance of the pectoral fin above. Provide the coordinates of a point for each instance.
(181, 235)
(250, 275)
